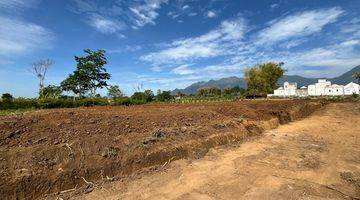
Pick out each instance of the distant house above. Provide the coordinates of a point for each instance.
(289, 89)
(334, 90)
(351, 88)
(318, 89)
(302, 92)
(321, 88)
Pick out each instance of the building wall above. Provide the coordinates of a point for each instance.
(279, 92)
(351, 88)
(334, 90)
(321, 88)
(312, 90)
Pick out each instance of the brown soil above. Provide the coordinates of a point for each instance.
(315, 158)
(54, 151)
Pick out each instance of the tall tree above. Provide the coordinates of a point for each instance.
(39, 69)
(262, 79)
(357, 76)
(78, 83)
(7, 97)
(92, 65)
(114, 92)
(90, 74)
(51, 91)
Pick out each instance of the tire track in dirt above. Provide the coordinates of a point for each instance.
(315, 158)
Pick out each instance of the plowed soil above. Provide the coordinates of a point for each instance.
(65, 150)
(313, 158)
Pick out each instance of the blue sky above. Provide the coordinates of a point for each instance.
(168, 44)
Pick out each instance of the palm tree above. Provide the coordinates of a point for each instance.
(357, 76)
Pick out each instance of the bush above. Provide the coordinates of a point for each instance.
(355, 96)
(121, 102)
(19, 103)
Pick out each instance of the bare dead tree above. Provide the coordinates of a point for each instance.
(39, 69)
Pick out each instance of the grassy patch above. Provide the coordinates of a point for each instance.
(14, 112)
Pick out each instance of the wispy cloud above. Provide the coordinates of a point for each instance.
(211, 14)
(183, 70)
(146, 12)
(274, 6)
(126, 48)
(211, 44)
(233, 46)
(20, 37)
(114, 17)
(298, 25)
(11, 5)
(105, 25)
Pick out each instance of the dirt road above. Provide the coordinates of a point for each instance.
(315, 158)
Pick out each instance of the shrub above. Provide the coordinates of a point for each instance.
(19, 103)
(7, 97)
(355, 96)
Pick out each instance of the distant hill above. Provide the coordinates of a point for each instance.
(221, 83)
(236, 81)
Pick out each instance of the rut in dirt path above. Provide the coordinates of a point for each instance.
(315, 158)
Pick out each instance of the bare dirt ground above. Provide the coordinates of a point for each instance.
(315, 158)
(63, 150)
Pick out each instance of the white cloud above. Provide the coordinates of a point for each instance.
(20, 37)
(9, 5)
(185, 7)
(156, 68)
(146, 12)
(274, 6)
(211, 14)
(126, 48)
(183, 70)
(104, 25)
(336, 56)
(299, 25)
(211, 44)
(231, 50)
(116, 16)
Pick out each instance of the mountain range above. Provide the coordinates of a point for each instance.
(236, 81)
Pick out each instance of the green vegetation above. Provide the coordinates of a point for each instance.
(262, 79)
(90, 75)
(114, 92)
(357, 76)
(50, 91)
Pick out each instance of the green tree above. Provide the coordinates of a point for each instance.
(90, 74)
(357, 76)
(164, 96)
(209, 91)
(146, 96)
(51, 91)
(149, 95)
(262, 79)
(234, 91)
(78, 83)
(92, 65)
(114, 92)
(7, 97)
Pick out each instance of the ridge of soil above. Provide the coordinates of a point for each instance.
(50, 151)
(313, 158)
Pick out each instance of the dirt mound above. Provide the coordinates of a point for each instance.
(49, 151)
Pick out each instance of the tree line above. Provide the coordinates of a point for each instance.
(91, 74)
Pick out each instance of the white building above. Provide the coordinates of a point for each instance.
(334, 90)
(289, 89)
(318, 89)
(302, 92)
(351, 88)
(321, 88)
